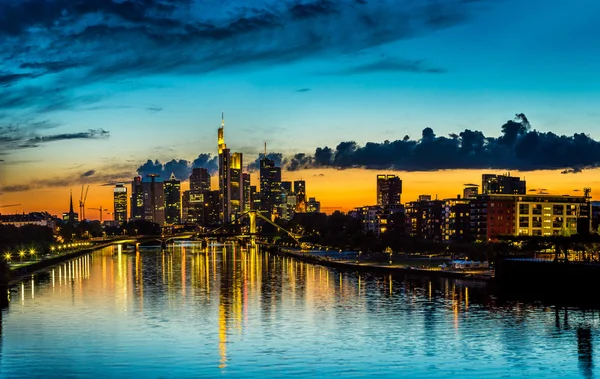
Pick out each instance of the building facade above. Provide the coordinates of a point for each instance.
(492, 184)
(389, 190)
(300, 191)
(172, 189)
(154, 199)
(424, 218)
(137, 199)
(456, 220)
(270, 186)
(120, 203)
(247, 188)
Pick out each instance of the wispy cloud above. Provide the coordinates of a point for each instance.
(304, 90)
(391, 65)
(54, 50)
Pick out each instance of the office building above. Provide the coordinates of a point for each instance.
(300, 191)
(120, 203)
(492, 184)
(231, 188)
(137, 199)
(154, 199)
(255, 197)
(247, 192)
(172, 191)
(270, 186)
(389, 190)
(185, 206)
(200, 180)
(456, 217)
(211, 214)
(313, 206)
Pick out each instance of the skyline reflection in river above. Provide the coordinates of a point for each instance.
(233, 311)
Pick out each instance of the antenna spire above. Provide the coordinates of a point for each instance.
(222, 119)
(265, 149)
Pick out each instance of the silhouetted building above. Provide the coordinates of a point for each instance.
(33, 218)
(120, 203)
(270, 186)
(200, 180)
(154, 199)
(70, 216)
(172, 188)
(389, 190)
(376, 218)
(492, 184)
(211, 208)
(137, 199)
(185, 207)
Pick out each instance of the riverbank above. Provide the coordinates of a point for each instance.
(381, 268)
(18, 273)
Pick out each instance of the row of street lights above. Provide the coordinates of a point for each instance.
(57, 248)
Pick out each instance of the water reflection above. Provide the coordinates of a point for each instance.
(236, 310)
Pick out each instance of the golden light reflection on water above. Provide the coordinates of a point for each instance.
(242, 280)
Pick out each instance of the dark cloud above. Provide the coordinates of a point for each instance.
(90, 134)
(392, 65)
(88, 173)
(278, 158)
(572, 171)
(304, 90)
(181, 168)
(471, 185)
(519, 147)
(53, 48)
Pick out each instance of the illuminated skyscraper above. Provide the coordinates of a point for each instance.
(185, 207)
(231, 189)
(137, 199)
(200, 180)
(120, 202)
(389, 190)
(172, 190)
(200, 183)
(300, 191)
(247, 192)
(270, 186)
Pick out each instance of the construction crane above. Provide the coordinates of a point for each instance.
(82, 200)
(101, 210)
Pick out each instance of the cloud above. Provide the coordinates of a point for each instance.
(181, 168)
(519, 147)
(277, 158)
(304, 90)
(392, 65)
(27, 135)
(575, 170)
(56, 50)
(89, 177)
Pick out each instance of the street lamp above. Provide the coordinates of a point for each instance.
(7, 256)
(22, 254)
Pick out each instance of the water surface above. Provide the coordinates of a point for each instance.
(238, 312)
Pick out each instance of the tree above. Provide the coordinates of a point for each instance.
(4, 273)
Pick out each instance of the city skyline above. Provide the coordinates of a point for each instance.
(77, 114)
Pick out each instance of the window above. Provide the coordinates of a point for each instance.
(523, 222)
(536, 209)
(558, 209)
(557, 222)
(524, 209)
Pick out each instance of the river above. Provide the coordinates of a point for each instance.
(229, 311)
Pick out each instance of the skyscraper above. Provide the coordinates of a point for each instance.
(389, 190)
(120, 202)
(200, 180)
(231, 189)
(172, 188)
(300, 191)
(270, 186)
(247, 192)
(492, 184)
(154, 199)
(137, 199)
(185, 207)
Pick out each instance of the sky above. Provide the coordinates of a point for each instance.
(437, 92)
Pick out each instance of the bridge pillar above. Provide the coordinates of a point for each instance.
(252, 216)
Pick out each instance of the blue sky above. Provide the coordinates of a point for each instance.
(106, 85)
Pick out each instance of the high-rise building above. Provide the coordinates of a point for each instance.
(255, 196)
(154, 199)
(211, 208)
(236, 186)
(172, 189)
(231, 189)
(270, 186)
(389, 190)
(185, 206)
(300, 191)
(492, 184)
(247, 192)
(120, 202)
(200, 180)
(137, 199)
